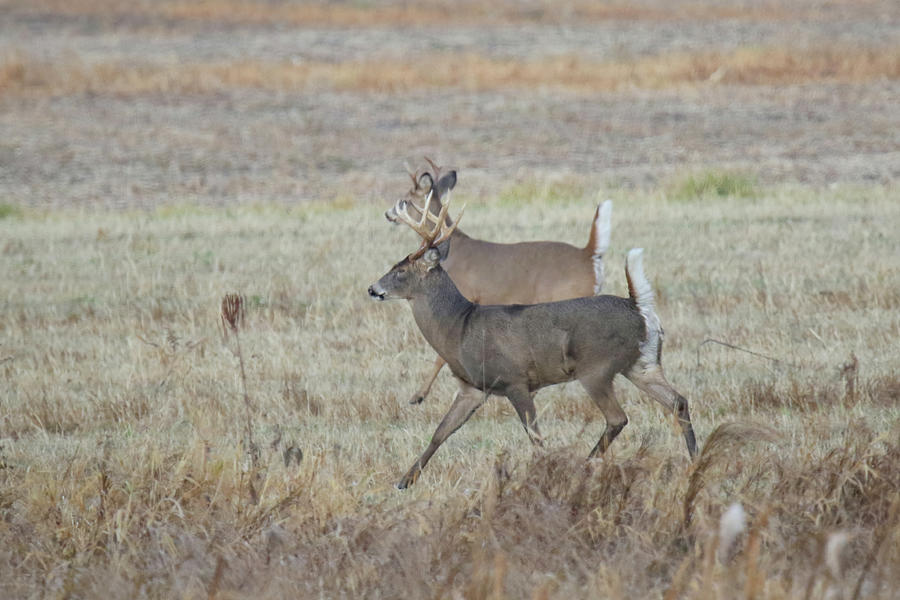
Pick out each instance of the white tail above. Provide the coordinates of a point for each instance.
(642, 293)
(602, 231)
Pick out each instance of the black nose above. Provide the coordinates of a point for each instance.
(375, 294)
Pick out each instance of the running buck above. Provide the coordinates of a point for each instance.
(491, 273)
(515, 350)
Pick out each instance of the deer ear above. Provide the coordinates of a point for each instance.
(444, 249)
(432, 258)
(425, 182)
(446, 182)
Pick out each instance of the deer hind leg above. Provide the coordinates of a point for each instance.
(652, 381)
(600, 389)
(422, 392)
(523, 401)
(465, 403)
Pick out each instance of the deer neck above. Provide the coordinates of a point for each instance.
(457, 235)
(441, 312)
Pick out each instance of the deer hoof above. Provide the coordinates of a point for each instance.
(409, 479)
(417, 398)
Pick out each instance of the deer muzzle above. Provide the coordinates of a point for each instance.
(391, 215)
(376, 292)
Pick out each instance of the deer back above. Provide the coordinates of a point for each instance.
(523, 273)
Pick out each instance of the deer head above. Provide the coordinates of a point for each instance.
(408, 276)
(431, 184)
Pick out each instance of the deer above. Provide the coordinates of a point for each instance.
(515, 350)
(521, 273)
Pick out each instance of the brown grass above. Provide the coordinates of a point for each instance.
(21, 74)
(180, 521)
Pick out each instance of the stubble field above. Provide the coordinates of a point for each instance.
(157, 156)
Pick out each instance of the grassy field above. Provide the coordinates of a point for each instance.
(159, 155)
(131, 464)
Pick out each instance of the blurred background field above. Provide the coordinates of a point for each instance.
(215, 102)
(155, 156)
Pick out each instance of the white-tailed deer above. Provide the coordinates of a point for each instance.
(522, 273)
(515, 350)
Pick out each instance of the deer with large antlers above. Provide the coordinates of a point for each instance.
(492, 273)
(515, 350)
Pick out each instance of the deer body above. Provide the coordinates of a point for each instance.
(493, 348)
(521, 273)
(516, 350)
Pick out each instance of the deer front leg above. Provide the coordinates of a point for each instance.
(465, 403)
(421, 393)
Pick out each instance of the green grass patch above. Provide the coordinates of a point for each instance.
(541, 192)
(9, 211)
(716, 184)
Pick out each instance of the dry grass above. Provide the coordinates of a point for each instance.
(437, 13)
(126, 469)
(21, 74)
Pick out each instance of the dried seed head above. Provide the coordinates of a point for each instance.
(233, 311)
(292, 454)
(834, 548)
(731, 525)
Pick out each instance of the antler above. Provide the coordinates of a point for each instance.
(433, 166)
(431, 236)
(409, 171)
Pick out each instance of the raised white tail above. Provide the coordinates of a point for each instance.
(600, 238)
(642, 293)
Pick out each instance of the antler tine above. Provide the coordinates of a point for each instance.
(442, 216)
(419, 226)
(446, 232)
(438, 221)
(425, 213)
(431, 239)
(433, 166)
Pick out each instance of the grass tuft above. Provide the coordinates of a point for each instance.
(10, 211)
(715, 184)
(533, 192)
